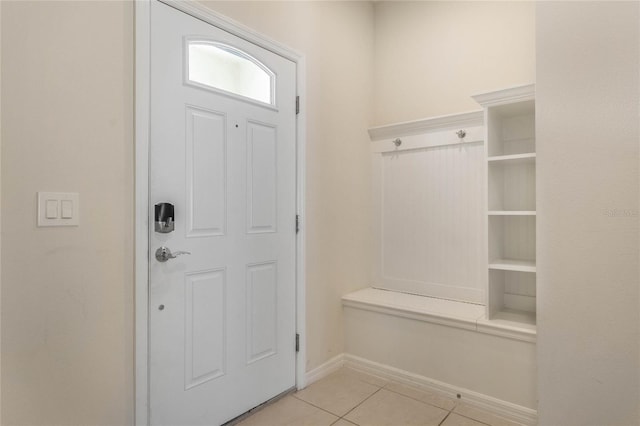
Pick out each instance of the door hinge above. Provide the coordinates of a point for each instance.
(297, 223)
(297, 104)
(297, 342)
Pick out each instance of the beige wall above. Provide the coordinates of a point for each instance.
(431, 56)
(587, 137)
(67, 293)
(336, 39)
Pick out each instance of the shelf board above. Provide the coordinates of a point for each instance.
(513, 265)
(511, 212)
(520, 325)
(523, 319)
(513, 159)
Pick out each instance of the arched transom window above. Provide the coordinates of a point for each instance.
(221, 67)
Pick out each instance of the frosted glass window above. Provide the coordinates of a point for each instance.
(226, 68)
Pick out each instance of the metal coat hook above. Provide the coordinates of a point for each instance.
(397, 142)
(461, 134)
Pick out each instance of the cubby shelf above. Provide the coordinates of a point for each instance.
(513, 265)
(513, 318)
(511, 213)
(513, 159)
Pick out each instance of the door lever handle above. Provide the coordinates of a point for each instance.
(164, 253)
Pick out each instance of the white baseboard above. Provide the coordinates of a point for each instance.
(502, 408)
(325, 369)
(517, 413)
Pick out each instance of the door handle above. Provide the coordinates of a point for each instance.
(163, 254)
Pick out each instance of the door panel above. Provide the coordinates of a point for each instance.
(262, 196)
(206, 166)
(262, 311)
(222, 319)
(205, 342)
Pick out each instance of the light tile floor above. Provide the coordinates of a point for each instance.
(348, 398)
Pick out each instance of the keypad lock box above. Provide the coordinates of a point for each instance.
(164, 218)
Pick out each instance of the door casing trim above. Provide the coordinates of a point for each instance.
(142, 132)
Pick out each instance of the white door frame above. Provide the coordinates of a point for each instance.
(142, 131)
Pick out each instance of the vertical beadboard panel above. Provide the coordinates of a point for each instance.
(519, 187)
(512, 186)
(432, 221)
(519, 234)
(518, 134)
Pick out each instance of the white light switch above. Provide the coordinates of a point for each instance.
(58, 209)
(67, 209)
(51, 209)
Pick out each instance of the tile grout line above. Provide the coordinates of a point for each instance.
(449, 411)
(313, 405)
(471, 418)
(361, 402)
(337, 420)
(445, 418)
(292, 393)
(333, 414)
(480, 421)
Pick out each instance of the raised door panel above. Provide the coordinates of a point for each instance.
(262, 311)
(205, 342)
(206, 165)
(262, 177)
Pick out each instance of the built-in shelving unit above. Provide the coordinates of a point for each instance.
(510, 148)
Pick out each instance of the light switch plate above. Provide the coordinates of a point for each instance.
(66, 211)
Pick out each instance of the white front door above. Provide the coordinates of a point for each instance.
(222, 318)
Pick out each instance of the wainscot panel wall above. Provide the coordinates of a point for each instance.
(428, 183)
